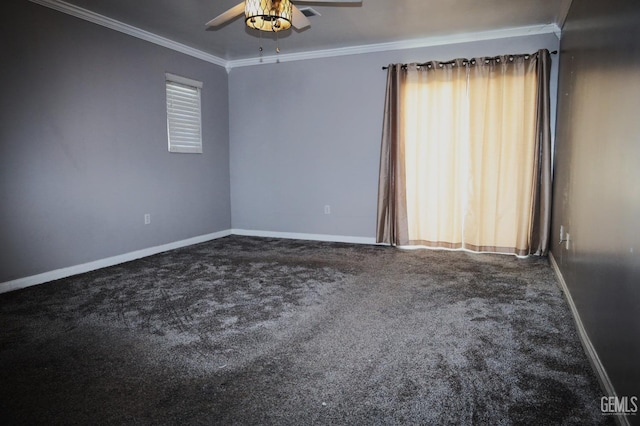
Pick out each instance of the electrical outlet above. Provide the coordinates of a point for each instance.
(327, 209)
(147, 219)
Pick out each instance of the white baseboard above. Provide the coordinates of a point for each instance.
(594, 359)
(115, 260)
(103, 263)
(298, 236)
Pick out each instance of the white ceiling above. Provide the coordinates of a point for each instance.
(340, 26)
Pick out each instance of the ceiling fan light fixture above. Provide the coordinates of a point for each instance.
(268, 15)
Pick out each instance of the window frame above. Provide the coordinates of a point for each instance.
(191, 143)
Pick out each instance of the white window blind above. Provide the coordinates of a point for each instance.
(184, 115)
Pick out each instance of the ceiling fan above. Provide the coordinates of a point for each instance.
(270, 15)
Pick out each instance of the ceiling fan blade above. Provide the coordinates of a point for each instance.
(298, 20)
(226, 16)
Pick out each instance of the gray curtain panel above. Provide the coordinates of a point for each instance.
(541, 223)
(392, 206)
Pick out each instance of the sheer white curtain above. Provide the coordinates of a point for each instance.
(464, 160)
(501, 144)
(434, 101)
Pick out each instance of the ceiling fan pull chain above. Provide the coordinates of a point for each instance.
(270, 15)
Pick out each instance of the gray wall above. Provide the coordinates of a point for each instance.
(307, 134)
(83, 145)
(83, 142)
(597, 179)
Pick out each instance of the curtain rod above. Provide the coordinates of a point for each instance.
(451, 62)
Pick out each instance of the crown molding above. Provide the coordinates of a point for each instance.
(562, 17)
(400, 45)
(104, 21)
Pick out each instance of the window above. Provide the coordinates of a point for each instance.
(465, 158)
(184, 115)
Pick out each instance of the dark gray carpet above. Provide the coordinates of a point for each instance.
(265, 331)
